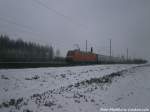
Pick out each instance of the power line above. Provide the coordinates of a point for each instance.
(24, 27)
(12, 22)
(58, 13)
(19, 25)
(110, 49)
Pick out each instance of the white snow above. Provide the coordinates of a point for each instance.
(54, 89)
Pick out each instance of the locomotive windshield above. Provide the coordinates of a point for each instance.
(70, 53)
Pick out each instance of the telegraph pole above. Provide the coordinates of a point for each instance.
(127, 53)
(86, 45)
(110, 48)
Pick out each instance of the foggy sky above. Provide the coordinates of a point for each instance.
(126, 22)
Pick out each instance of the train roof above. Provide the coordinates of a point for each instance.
(83, 52)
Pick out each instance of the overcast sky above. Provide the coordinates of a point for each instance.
(64, 23)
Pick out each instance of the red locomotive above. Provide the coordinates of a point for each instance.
(77, 56)
(82, 57)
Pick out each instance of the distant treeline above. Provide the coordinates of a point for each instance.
(19, 50)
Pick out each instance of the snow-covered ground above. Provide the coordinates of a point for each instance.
(74, 89)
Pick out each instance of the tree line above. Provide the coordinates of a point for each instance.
(21, 51)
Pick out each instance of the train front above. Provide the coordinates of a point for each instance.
(70, 56)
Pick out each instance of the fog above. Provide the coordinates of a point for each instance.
(64, 23)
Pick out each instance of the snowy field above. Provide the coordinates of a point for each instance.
(74, 89)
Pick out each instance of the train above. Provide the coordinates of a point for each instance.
(83, 57)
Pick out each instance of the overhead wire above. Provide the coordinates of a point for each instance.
(59, 13)
(30, 30)
(27, 28)
(47, 7)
